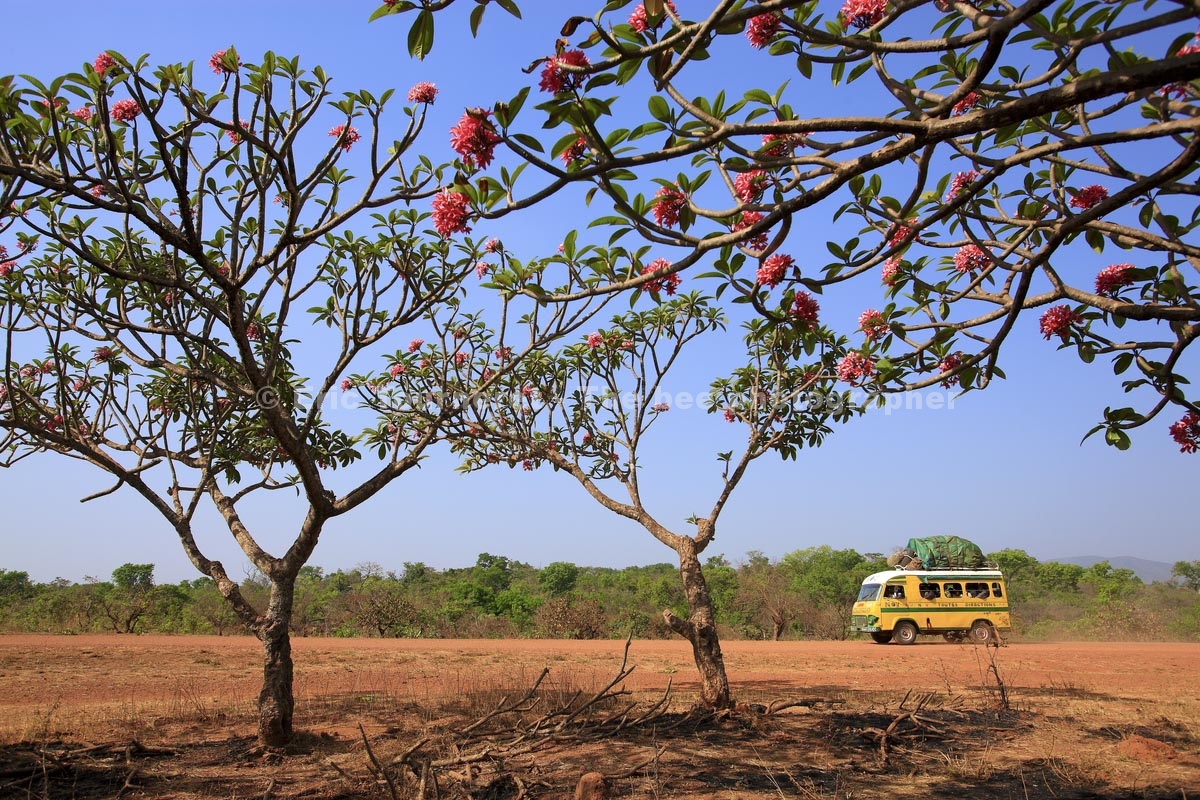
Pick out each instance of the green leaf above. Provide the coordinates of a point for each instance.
(420, 36)
(510, 7)
(659, 108)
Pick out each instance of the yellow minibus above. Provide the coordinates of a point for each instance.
(898, 605)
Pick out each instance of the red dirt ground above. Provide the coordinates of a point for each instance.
(1089, 715)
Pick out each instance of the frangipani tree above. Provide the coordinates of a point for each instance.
(1012, 165)
(187, 308)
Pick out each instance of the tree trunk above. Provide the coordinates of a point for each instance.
(700, 629)
(778, 626)
(275, 702)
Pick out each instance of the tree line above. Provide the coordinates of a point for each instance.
(806, 594)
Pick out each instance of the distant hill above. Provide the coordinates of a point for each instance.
(1148, 571)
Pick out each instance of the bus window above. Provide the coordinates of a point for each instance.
(977, 590)
(954, 590)
(893, 593)
(869, 592)
(996, 590)
(930, 591)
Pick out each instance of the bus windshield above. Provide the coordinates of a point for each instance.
(870, 591)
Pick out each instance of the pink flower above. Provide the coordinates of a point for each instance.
(1186, 432)
(1113, 278)
(235, 135)
(527, 391)
(103, 63)
(659, 408)
(961, 181)
(669, 201)
(949, 364)
(749, 186)
(346, 136)
(6, 268)
(667, 283)
(761, 29)
(777, 145)
(805, 310)
(423, 92)
(968, 103)
(83, 114)
(493, 246)
(215, 63)
(450, 213)
(396, 370)
(555, 79)
(639, 21)
(125, 110)
(863, 13)
(729, 415)
(855, 368)
(103, 354)
(347, 384)
(594, 340)
(574, 151)
(1057, 321)
(891, 271)
(757, 242)
(1089, 196)
(873, 324)
(253, 332)
(899, 234)
(474, 138)
(970, 258)
(504, 353)
(527, 465)
(481, 269)
(773, 269)
(415, 345)
(587, 438)
(80, 385)
(98, 191)
(460, 359)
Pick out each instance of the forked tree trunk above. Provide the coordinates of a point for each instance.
(700, 628)
(275, 702)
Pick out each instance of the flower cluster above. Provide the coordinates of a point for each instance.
(595, 339)
(1113, 278)
(103, 63)
(949, 364)
(640, 22)
(773, 269)
(415, 345)
(667, 283)
(1186, 432)
(1089, 196)
(855, 368)
(863, 13)
(873, 324)
(970, 258)
(555, 79)
(235, 135)
(899, 234)
(83, 114)
(474, 138)
(760, 30)
(423, 92)
(217, 66)
(891, 271)
(659, 408)
(1057, 321)
(968, 103)
(961, 181)
(757, 242)
(125, 110)
(482, 268)
(574, 151)
(669, 202)
(777, 145)
(345, 135)
(805, 310)
(450, 212)
(749, 186)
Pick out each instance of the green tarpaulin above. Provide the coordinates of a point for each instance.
(946, 552)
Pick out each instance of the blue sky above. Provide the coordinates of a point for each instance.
(1003, 467)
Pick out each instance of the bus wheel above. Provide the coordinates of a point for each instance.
(982, 632)
(904, 633)
(882, 637)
